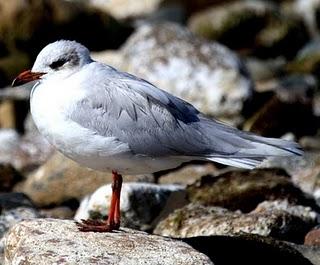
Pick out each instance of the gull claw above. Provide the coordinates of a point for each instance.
(95, 226)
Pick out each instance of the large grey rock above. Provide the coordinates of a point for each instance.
(60, 179)
(141, 203)
(50, 241)
(245, 189)
(197, 220)
(208, 75)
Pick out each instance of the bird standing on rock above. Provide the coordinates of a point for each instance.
(109, 120)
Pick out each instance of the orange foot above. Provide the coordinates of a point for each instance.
(96, 226)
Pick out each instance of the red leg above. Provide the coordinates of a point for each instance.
(117, 214)
(113, 221)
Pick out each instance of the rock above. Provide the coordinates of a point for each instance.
(8, 177)
(253, 249)
(313, 237)
(188, 174)
(288, 110)
(207, 75)
(219, 22)
(125, 9)
(60, 179)
(306, 214)
(197, 220)
(14, 207)
(256, 25)
(50, 241)
(141, 203)
(244, 190)
(24, 153)
(24, 35)
(304, 171)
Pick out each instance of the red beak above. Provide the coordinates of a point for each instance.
(26, 77)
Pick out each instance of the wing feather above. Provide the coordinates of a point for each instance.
(155, 123)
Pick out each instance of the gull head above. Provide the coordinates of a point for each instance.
(60, 58)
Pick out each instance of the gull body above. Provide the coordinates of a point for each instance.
(110, 120)
(55, 103)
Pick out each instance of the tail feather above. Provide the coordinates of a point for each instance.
(247, 150)
(288, 147)
(248, 163)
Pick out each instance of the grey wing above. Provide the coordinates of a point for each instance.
(155, 123)
(151, 121)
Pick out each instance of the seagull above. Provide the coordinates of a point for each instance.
(110, 120)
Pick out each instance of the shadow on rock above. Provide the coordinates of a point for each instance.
(247, 250)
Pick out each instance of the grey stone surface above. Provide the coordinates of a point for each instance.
(197, 220)
(208, 75)
(51, 241)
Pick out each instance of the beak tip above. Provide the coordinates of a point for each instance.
(25, 77)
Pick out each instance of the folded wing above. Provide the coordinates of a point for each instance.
(155, 123)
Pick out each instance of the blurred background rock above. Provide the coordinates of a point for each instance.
(252, 63)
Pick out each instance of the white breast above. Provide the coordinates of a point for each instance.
(50, 107)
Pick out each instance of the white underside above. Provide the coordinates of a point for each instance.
(50, 113)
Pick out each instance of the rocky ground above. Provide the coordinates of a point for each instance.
(253, 64)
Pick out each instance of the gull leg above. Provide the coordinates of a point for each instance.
(113, 221)
(117, 188)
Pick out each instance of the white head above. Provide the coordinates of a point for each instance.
(61, 58)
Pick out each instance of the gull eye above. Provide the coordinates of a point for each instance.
(57, 64)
